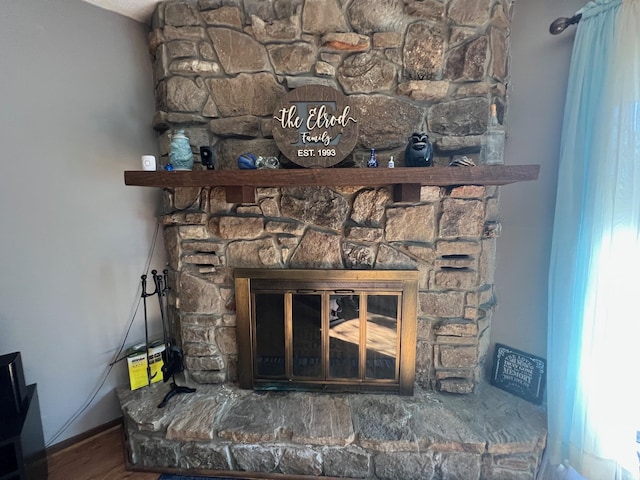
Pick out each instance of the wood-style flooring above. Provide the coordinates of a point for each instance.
(100, 457)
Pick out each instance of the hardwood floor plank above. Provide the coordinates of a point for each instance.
(100, 457)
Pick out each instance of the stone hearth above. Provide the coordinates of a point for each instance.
(489, 435)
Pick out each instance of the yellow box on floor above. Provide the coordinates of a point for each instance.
(137, 364)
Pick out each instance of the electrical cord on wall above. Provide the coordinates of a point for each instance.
(132, 315)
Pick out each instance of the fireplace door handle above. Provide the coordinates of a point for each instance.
(344, 292)
(306, 290)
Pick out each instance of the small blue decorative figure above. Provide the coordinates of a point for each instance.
(419, 151)
(247, 161)
(181, 156)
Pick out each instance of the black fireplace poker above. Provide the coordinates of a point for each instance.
(145, 294)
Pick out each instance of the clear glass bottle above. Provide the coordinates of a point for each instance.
(391, 163)
(494, 148)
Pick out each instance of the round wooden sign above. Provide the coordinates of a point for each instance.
(314, 126)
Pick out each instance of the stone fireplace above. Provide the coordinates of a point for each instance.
(405, 66)
(220, 67)
(448, 237)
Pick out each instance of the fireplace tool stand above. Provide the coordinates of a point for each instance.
(144, 296)
(172, 355)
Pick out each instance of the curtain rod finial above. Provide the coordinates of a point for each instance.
(559, 25)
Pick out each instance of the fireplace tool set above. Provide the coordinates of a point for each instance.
(172, 355)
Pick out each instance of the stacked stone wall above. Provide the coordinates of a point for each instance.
(449, 237)
(220, 66)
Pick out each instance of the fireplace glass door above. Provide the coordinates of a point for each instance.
(312, 333)
(344, 336)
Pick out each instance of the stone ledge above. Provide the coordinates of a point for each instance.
(429, 435)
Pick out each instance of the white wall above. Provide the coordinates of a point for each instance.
(76, 103)
(539, 70)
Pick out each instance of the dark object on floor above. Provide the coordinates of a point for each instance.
(419, 151)
(13, 389)
(22, 453)
(170, 476)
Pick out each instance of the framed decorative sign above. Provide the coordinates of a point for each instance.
(519, 373)
(314, 126)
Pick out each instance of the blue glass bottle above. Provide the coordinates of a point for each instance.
(373, 162)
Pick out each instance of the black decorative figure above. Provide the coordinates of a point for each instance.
(172, 355)
(419, 151)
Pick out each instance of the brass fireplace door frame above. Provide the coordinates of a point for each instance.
(403, 283)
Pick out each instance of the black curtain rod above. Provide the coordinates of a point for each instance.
(559, 25)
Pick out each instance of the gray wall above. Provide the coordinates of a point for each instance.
(539, 70)
(76, 105)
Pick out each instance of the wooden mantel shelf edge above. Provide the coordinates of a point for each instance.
(240, 184)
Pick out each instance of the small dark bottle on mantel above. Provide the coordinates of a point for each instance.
(373, 162)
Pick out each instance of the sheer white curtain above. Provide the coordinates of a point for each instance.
(594, 283)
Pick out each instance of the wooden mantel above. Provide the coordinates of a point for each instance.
(240, 185)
